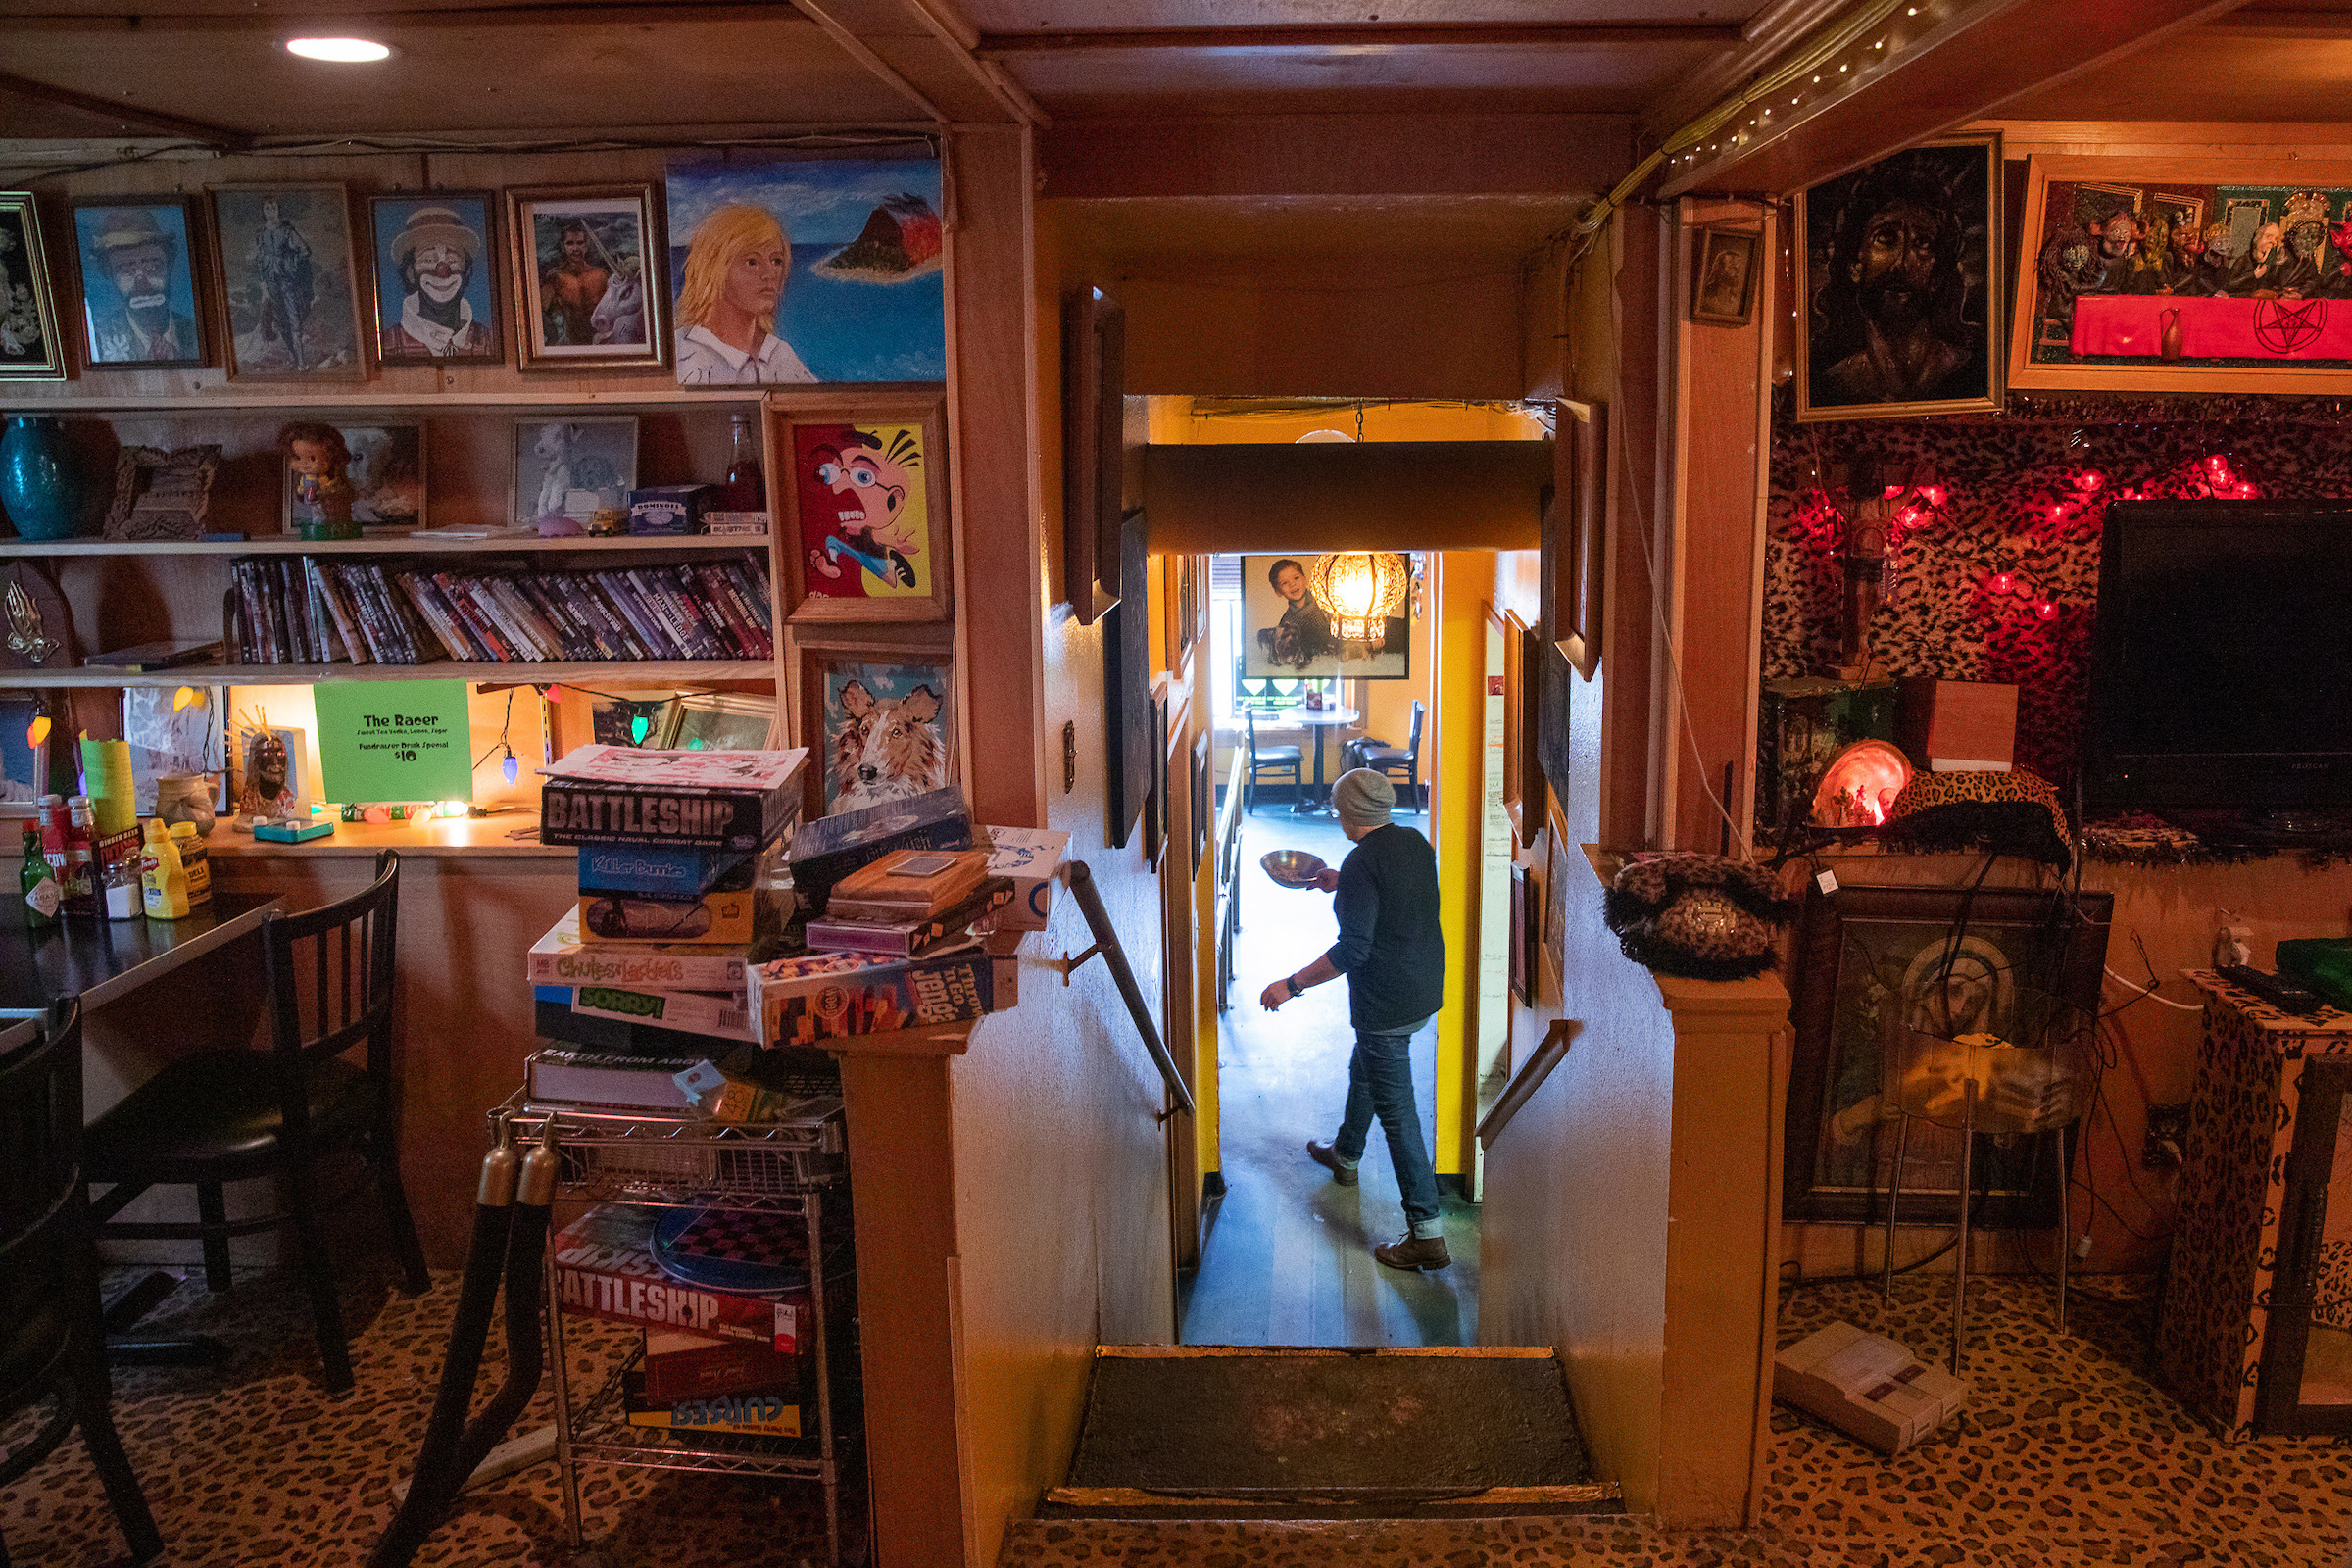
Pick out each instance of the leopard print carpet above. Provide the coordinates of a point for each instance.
(2068, 1454)
(253, 1462)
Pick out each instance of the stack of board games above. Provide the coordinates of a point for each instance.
(910, 901)
(721, 1295)
(645, 977)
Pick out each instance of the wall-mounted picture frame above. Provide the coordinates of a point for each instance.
(719, 721)
(1876, 961)
(1898, 267)
(1204, 797)
(792, 267)
(1286, 631)
(1722, 275)
(1093, 422)
(385, 469)
(866, 509)
(31, 348)
(437, 279)
(1513, 633)
(2184, 274)
(878, 717)
(1187, 607)
(583, 260)
(135, 261)
(1129, 767)
(288, 278)
(1574, 539)
(1522, 935)
(574, 467)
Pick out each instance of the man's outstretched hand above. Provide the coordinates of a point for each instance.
(1274, 996)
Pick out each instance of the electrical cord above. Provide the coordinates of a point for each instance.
(1803, 1280)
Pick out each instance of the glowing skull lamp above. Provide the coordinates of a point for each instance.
(1859, 786)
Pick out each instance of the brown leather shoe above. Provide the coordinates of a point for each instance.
(1417, 1252)
(1328, 1158)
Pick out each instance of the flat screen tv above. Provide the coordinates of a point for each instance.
(2221, 670)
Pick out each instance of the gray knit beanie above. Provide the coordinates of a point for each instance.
(1363, 798)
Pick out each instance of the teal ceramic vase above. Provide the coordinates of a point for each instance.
(40, 489)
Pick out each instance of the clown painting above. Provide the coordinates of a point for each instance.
(864, 501)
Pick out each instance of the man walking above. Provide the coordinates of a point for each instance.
(1394, 955)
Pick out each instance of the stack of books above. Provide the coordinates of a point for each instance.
(646, 977)
(910, 901)
(312, 610)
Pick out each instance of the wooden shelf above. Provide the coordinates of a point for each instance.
(654, 672)
(322, 400)
(378, 545)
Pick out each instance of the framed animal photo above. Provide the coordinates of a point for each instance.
(1898, 285)
(1723, 277)
(30, 349)
(583, 298)
(290, 281)
(788, 269)
(436, 280)
(572, 467)
(878, 719)
(384, 465)
(137, 256)
(866, 511)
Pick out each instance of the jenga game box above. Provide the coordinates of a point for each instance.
(827, 995)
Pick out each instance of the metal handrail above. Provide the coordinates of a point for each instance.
(1106, 942)
(1549, 1054)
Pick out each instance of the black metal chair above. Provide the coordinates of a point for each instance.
(1382, 757)
(1269, 760)
(220, 1116)
(51, 1335)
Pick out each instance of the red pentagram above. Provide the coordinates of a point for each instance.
(2285, 325)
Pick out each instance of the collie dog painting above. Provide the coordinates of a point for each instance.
(886, 735)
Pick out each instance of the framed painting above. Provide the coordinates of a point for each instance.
(1575, 538)
(2184, 274)
(787, 269)
(1723, 275)
(579, 258)
(878, 719)
(1094, 352)
(30, 345)
(1898, 284)
(385, 467)
(437, 279)
(289, 278)
(1880, 966)
(1515, 635)
(1286, 632)
(1187, 607)
(867, 509)
(1127, 737)
(137, 261)
(1204, 796)
(572, 467)
(1522, 935)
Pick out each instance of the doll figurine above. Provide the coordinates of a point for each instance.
(319, 472)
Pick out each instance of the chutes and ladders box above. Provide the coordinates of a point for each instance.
(1866, 1385)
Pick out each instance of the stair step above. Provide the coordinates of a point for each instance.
(1308, 1432)
(1360, 1543)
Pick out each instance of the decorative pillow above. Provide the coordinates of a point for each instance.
(1699, 916)
(2016, 812)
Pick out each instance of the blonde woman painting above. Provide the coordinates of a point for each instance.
(735, 269)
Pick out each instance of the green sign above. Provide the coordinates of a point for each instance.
(394, 740)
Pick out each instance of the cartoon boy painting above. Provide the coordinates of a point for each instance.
(862, 514)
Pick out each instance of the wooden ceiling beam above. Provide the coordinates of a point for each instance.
(131, 116)
(1362, 35)
(1963, 70)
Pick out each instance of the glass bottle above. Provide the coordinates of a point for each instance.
(746, 482)
(78, 878)
(42, 898)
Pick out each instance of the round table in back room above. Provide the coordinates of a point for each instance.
(1320, 720)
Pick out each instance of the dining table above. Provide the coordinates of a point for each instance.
(1322, 720)
(102, 961)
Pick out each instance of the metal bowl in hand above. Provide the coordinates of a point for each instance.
(1292, 869)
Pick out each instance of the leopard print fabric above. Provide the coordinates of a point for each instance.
(2217, 1304)
(2017, 810)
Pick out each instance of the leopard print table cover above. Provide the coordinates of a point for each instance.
(2217, 1304)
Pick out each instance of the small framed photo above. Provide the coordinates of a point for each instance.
(291, 281)
(29, 347)
(384, 465)
(1723, 277)
(582, 256)
(137, 258)
(574, 467)
(878, 719)
(437, 279)
(867, 509)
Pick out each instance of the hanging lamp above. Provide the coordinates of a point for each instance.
(1359, 590)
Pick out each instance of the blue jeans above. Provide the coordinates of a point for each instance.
(1380, 1082)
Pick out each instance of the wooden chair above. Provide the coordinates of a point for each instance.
(1269, 760)
(1382, 757)
(219, 1115)
(52, 1336)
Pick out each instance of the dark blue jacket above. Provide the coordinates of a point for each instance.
(1389, 947)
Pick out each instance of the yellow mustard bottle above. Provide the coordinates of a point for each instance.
(163, 879)
(196, 860)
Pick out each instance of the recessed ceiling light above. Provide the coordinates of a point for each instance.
(342, 51)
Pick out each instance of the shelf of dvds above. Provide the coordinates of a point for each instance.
(424, 543)
(652, 671)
